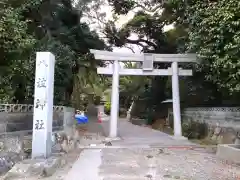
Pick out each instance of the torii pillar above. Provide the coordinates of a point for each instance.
(114, 100)
(147, 70)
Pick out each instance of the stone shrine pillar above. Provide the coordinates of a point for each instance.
(43, 105)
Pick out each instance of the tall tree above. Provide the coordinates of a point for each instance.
(148, 25)
(14, 49)
(208, 28)
(49, 25)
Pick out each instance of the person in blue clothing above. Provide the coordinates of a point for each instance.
(80, 117)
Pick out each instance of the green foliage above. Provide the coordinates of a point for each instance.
(208, 28)
(107, 108)
(131, 87)
(28, 26)
(97, 100)
(214, 33)
(89, 87)
(148, 24)
(194, 130)
(64, 57)
(122, 6)
(14, 37)
(14, 63)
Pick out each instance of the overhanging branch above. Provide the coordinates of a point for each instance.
(139, 41)
(151, 10)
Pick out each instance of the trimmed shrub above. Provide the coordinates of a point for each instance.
(194, 130)
(191, 129)
(107, 108)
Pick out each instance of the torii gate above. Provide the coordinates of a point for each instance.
(147, 70)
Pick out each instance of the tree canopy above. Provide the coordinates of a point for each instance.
(208, 28)
(29, 26)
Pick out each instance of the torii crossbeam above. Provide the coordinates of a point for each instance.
(147, 70)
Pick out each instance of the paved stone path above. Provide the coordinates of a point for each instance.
(133, 135)
(139, 156)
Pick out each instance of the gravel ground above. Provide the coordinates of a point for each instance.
(159, 164)
(152, 162)
(89, 133)
(62, 171)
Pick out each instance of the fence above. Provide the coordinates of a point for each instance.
(224, 116)
(19, 117)
(222, 123)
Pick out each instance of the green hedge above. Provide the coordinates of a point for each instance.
(107, 108)
(192, 129)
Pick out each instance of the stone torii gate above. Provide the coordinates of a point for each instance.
(147, 70)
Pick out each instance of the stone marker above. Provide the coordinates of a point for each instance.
(43, 105)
